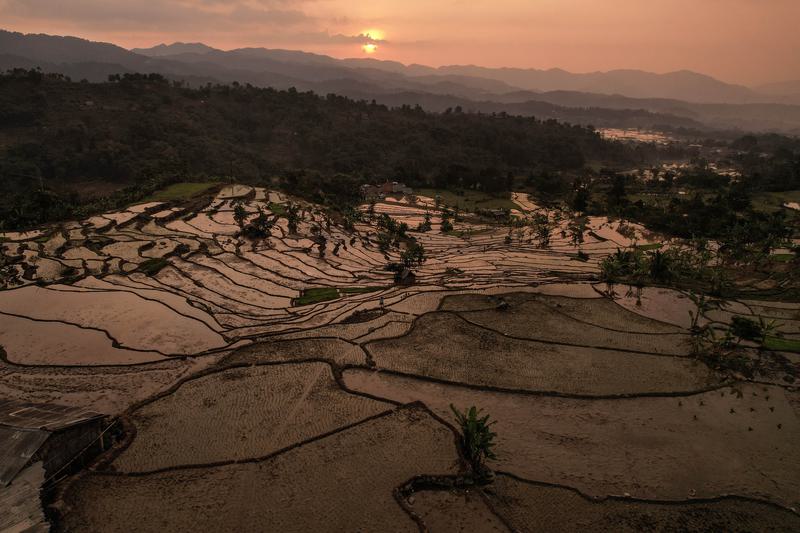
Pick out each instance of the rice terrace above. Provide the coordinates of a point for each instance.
(288, 266)
(238, 401)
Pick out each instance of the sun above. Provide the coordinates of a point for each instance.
(370, 48)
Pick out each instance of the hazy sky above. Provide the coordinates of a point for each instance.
(744, 41)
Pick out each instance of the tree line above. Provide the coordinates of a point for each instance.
(139, 131)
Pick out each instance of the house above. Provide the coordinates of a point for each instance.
(39, 442)
(389, 188)
(371, 192)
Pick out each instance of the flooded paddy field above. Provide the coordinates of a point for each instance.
(246, 404)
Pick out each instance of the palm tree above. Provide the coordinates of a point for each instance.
(292, 217)
(239, 214)
(660, 266)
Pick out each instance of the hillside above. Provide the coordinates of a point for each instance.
(144, 130)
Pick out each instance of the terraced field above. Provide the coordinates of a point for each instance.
(249, 407)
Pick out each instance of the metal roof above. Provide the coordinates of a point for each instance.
(25, 426)
(17, 446)
(51, 417)
(20, 506)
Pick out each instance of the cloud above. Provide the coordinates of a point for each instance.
(217, 22)
(164, 15)
(324, 37)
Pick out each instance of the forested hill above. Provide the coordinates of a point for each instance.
(141, 131)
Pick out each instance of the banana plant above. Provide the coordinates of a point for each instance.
(477, 437)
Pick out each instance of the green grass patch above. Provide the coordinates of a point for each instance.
(470, 200)
(316, 295)
(278, 209)
(359, 290)
(773, 201)
(779, 344)
(151, 267)
(180, 191)
(782, 258)
(655, 199)
(323, 294)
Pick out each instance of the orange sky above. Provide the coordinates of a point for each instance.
(744, 41)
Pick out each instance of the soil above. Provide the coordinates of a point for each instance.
(334, 350)
(241, 414)
(727, 441)
(446, 347)
(532, 507)
(455, 511)
(344, 482)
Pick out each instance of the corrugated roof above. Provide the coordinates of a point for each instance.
(52, 417)
(20, 505)
(17, 446)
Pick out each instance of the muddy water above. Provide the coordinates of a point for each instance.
(127, 317)
(29, 342)
(665, 305)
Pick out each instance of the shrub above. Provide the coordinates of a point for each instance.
(746, 329)
(151, 267)
(414, 255)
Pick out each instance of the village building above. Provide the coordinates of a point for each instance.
(38, 442)
(371, 192)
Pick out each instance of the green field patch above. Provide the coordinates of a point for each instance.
(773, 201)
(470, 200)
(278, 209)
(180, 191)
(359, 290)
(779, 344)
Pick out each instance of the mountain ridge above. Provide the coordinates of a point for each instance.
(391, 82)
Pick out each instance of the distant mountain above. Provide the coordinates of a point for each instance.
(790, 87)
(681, 85)
(621, 98)
(173, 49)
(787, 92)
(755, 116)
(54, 49)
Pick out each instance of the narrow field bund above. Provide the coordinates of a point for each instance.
(235, 391)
